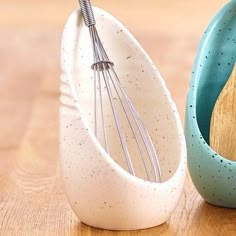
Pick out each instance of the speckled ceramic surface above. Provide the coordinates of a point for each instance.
(101, 193)
(213, 175)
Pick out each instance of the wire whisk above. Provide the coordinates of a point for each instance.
(129, 127)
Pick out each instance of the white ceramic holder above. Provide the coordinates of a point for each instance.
(101, 193)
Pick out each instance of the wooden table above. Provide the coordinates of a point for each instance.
(32, 201)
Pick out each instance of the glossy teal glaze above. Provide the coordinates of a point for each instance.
(213, 175)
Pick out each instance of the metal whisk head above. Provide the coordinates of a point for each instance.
(129, 127)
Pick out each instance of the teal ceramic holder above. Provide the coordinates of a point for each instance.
(213, 175)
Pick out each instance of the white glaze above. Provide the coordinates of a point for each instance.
(102, 193)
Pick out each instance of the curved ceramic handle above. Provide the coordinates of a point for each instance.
(87, 12)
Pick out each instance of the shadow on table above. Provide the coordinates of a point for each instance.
(206, 220)
(84, 230)
(220, 220)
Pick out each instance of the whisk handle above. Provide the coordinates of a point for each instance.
(87, 12)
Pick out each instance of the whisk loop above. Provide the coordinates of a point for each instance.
(105, 75)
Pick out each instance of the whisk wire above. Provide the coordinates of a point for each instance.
(129, 123)
(95, 82)
(118, 124)
(143, 132)
(102, 113)
(97, 77)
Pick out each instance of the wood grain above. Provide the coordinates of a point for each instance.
(32, 200)
(223, 120)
